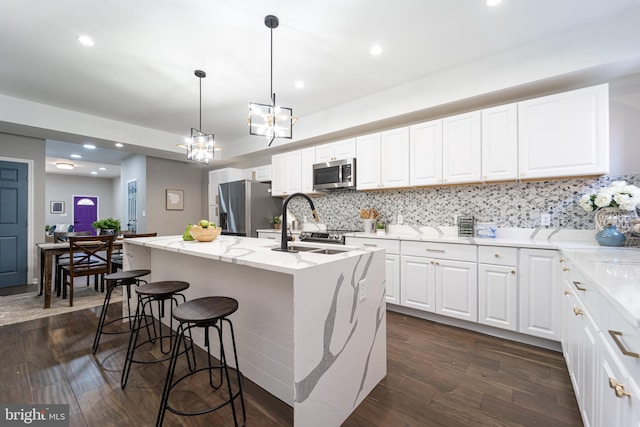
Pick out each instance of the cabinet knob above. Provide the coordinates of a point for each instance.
(497, 255)
(433, 262)
(618, 388)
(566, 292)
(565, 269)
(513, 272)
(561, 260)
(577, 311)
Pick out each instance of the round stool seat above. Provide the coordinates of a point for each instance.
(205, 310)
(125, 275)
(162, 289)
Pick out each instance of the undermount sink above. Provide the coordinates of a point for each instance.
(317, 250)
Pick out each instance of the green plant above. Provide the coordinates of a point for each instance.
(47, 227)
(380, 225)
(275, 220)
(107, 224)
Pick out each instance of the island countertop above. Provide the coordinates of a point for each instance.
(251, 252)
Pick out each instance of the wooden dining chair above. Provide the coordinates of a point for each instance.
(92, 258)
(117, 259)
(63, 259)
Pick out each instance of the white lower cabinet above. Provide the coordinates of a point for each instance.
(392, 263)
(540, 282)
(457, 289)
(498, 287)
(417, 283)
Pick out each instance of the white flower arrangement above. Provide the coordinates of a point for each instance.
(618, 194)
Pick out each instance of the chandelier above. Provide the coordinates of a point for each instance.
(200, 145)
(271, 120)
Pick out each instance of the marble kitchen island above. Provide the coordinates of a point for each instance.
(310, 328)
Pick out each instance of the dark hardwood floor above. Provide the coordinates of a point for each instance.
(437, 376)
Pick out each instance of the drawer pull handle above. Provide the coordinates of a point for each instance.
(578, 287)
(615, 335)
(577, 311)
(619, 388)
(370, 244)
(440, 251)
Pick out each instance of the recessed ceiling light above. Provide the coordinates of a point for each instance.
(85, 40)
(376, 50)
(66, 166)
(102, 169)
(119, 145)
(89, 146)
(299, 84)
(94, 173)
(75, 156)
(493, 2)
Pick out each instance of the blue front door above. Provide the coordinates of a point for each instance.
(13, 224)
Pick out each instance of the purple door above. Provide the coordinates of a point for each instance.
(85, 213)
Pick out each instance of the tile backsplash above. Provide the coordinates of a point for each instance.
(509, 205)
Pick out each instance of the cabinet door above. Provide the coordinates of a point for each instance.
(615, 409)
(457, 289)
(263, 173)
(394, 160)
(324, 153)
(392, 270)
(293, 181)
(566, 134)
(279, 171)
(500, 143)
(345, 149)
(214, 181)
(461, 142)
(214, 211)
(540, 287)
(307, 158)
(498, 296)
(368, 162)
(417, 283)
(425, 153)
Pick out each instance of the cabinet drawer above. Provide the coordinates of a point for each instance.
(390, 246)
(621, 336)
(498, 255)
(450, 251)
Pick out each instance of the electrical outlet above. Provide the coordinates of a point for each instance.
(362, 290)
(545, 219)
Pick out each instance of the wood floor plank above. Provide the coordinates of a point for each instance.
(437, 376)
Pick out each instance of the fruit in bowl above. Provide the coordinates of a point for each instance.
(205, 231)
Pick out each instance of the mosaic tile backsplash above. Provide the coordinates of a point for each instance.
(509, 205)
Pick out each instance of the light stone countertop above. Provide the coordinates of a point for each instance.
(250, 251)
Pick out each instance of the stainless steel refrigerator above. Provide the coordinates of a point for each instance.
(246, 206)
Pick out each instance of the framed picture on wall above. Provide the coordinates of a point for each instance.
(57, 207)
(175, 200)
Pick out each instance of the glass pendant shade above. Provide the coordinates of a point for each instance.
(200, 146)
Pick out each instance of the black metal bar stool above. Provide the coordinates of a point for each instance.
(208, 312)
(115, 280)
(158, 292)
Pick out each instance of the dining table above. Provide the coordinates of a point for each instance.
(48, 251)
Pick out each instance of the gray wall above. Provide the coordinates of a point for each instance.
(64, 187)
(168, 174)
(16, 148)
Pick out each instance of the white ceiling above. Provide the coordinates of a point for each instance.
(140, 70)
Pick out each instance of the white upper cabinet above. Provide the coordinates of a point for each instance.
(286, 177)
(565, 134)
(425, 153)
(368, 162)
(461, 142)
(394, 158)
(219, 176)
(500, 143)
(345, 149)
(307, 159)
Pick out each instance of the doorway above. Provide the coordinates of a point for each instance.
(132, 206)
(85, 213)
(13, 223)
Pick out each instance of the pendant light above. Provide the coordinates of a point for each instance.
(270, 120)
(200, 145)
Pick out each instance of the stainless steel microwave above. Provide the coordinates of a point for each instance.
(334, 174)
